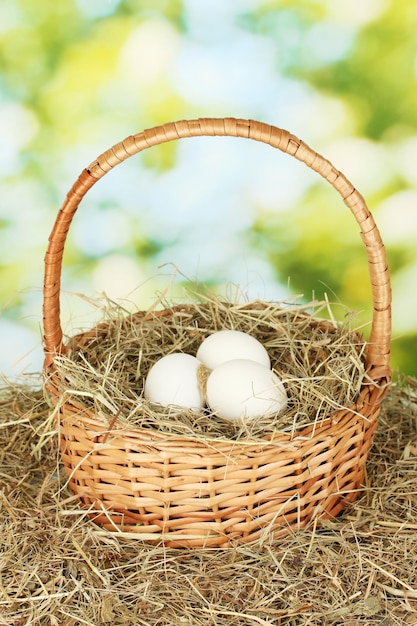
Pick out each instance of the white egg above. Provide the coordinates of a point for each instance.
(245, 389)
(228, 345)
(173, 380)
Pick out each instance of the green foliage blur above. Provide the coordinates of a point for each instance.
(77, 76)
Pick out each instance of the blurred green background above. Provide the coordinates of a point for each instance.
(77, 76)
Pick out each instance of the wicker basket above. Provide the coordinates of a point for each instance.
(189, 492)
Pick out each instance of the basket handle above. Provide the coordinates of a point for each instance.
(378, 348)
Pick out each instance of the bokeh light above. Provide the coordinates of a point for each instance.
(77, 77)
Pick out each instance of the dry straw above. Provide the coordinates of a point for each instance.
(321, 363)
(193, 490)
(59, 569)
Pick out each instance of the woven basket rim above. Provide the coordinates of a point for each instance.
(114, 429)
(112, 426)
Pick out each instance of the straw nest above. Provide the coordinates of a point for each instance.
(320, 362)
(57, 568)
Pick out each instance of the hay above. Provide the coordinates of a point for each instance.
(57, 568)
(321, 363)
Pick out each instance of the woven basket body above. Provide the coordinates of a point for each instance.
(192, 492)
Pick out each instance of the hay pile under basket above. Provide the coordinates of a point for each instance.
(189, 491)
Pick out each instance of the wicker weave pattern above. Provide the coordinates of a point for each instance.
(189, 492)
